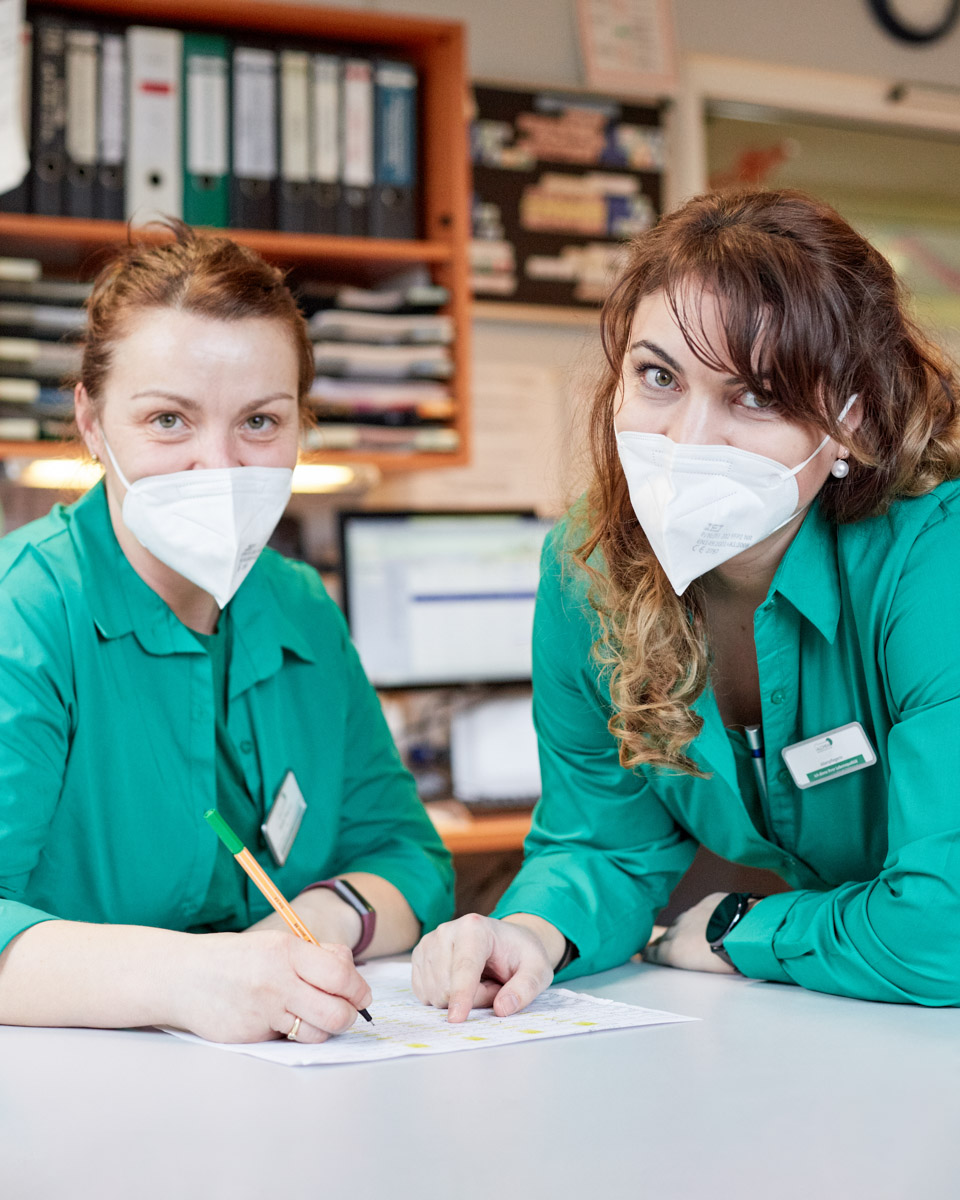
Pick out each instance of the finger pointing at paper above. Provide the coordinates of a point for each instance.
(481, 962)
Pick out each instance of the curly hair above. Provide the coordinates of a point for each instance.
(834, 322)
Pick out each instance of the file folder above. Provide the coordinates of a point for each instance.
(254, 121)
(295, 196)
(393, 209)
(206, 131)
(17, 199)
(325, 141)
(154, 179)
(111, 154)
(49, 115)
(82, 77)
(357, 141)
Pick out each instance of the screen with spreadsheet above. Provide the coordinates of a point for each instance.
(441, 598)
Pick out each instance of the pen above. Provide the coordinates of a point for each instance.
(755, 742)
(262, 880)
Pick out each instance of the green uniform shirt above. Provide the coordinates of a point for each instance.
(108, 755)
(861, 624)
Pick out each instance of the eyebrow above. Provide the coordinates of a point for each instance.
(672, 362)
(194, 406)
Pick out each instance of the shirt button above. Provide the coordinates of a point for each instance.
(778, 697)
(783, 775)
(246, 747)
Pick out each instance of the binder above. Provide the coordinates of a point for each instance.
(357, 146)
(254, 122)
(17, 199)
(393, 209)
(294, 202)
(108, 201)
(82, 71)
(154, 178)
(325, 140)
(206, 131)
(49, 115)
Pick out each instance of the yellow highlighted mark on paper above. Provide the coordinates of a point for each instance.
(531, 1031)
(418, 1045)
(584, 1022)
(473, 1038)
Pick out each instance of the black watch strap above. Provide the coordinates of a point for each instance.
(570, 952)
(725, 918)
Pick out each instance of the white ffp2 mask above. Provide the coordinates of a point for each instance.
(209, 525)
(701, 505)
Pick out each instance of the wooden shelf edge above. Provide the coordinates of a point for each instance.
(297, 19)
(95, 234)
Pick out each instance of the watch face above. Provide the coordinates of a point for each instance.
(723, 916)
(916, 20)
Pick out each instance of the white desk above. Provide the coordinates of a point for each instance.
(778, 1093)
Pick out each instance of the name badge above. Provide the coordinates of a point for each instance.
(837, 752)
(283, 821)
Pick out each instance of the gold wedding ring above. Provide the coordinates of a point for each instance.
(295, 1029)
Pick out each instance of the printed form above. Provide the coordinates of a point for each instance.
(401, 1025)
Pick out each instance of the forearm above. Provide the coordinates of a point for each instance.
(331, 919)
(103, 976)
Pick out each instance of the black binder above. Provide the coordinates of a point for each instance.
(253, 186)
(49, 115)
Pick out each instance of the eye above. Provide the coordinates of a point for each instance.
(656, 377)
(261, 421)
(167, 421)
(755, 403)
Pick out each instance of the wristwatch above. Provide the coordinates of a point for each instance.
(726, 917)
(364, 909)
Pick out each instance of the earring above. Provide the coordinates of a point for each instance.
(840, 469)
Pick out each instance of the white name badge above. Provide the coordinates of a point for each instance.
(837, 752)
(283, 822)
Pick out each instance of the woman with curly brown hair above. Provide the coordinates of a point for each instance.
(746, 633)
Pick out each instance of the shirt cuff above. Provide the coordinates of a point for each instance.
(16, 917)
(750, 942)
(566, 915)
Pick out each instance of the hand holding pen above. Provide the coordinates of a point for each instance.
(307, 1018)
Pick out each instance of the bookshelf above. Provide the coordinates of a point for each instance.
(72, 246)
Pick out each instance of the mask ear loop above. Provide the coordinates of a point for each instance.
(843, 412)
(116, 465)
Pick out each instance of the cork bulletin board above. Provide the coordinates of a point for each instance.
(561, 182)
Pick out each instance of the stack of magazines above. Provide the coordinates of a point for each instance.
(384, 365)
(40, 321)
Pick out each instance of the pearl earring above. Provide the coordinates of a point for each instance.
(840, 469)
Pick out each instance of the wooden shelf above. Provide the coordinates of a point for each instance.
(73, 242)
(465, 832)
(72, 246)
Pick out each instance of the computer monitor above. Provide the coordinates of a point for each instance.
(441, 598)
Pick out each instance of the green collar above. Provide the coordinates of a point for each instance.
(121, 603)
(808, 575)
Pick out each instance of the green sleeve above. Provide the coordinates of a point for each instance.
(384, 829)
(35, 700)
(896, 937)
(603, 854)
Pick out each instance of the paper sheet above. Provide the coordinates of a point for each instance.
(403, 1026)
(13, 151)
